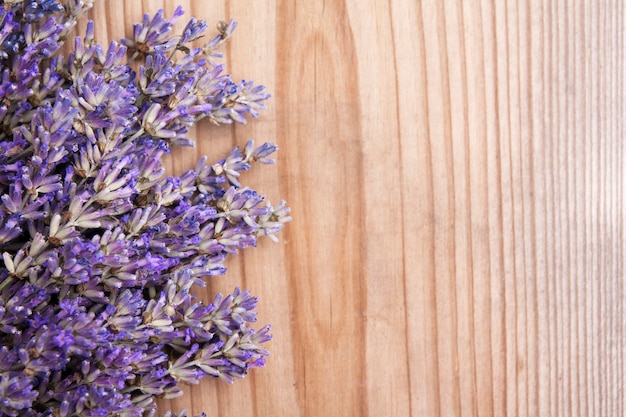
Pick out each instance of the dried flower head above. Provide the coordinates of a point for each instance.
(100, 249)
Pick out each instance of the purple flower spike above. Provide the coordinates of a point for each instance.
(153, 35)
(16, 393)
(101, 252)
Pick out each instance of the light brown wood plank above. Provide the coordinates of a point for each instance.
(456, 175)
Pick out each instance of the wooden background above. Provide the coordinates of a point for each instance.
(456, 175)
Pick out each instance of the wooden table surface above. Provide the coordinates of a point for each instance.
(456, 175)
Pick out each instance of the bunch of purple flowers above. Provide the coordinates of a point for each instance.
(100, 249)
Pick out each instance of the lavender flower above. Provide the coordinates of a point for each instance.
(16, 393)
(100, 250)
(152, 35)
(225, 30)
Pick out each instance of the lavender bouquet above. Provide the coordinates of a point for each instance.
(100, 249)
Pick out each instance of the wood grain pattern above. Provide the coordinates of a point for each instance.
(456, 175)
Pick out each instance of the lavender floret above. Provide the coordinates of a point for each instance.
(100, 250)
